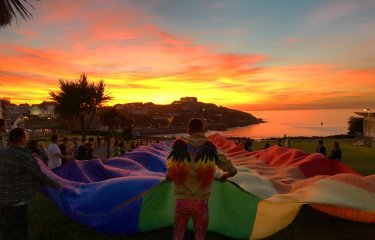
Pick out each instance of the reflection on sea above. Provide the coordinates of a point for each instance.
(318, 122)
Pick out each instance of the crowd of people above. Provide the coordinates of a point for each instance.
(21, 176)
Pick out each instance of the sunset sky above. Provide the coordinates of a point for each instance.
(243, 54)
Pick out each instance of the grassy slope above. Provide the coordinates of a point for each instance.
(48, 222)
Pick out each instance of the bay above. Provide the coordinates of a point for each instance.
(316, 122)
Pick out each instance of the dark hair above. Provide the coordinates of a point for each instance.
(2, 122)
(16, 134)
(195, 125)
(65, 139)
(91, 139)
(320, 141)
(54, 137)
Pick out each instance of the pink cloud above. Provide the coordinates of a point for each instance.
(126, 49)
(293, 40)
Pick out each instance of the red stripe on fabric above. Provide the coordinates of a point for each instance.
(346, 213)
(309, 164)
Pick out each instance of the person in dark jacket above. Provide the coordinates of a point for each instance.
(85, 151)
(320, 148)
(37, 150)
(335, 152)
(20, 178)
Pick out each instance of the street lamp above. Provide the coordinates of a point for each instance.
(366, 126)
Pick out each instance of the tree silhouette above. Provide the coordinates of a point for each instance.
(355, 125)
(79, 100)
(9, 9)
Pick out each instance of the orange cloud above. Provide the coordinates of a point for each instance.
(141, 61)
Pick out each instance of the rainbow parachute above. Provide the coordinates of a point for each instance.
(129, 194)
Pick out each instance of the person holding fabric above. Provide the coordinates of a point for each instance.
(54, 153)
(20, 178)
(85, 151)
(63, 149)
(37, 150)
(191, 166)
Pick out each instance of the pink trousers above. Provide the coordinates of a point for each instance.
(197, 210)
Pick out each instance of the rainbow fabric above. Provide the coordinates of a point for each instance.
(129, 194)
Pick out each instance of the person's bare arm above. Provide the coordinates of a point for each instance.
(226, 175)
(226, 166)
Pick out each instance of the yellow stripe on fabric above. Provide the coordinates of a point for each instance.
(272, 217)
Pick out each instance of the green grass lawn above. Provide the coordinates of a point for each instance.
(46, 221)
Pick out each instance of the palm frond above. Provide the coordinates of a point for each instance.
(10, 9)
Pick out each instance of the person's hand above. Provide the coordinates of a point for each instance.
(222, 178)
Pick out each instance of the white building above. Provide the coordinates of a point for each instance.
(368, 127)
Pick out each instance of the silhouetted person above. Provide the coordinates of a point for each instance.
(267, 145)
(37, 150)
(85, 151)
(3, 130)
(54, 153)
(20, 181)
(320, 148)
(248, 144)
(98, 139)
(63, 149)
(335, 152)
(122, 147)
(74, 148)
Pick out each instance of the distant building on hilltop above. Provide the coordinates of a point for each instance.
(189, 100)
(23, 108)
(47, 109)
(185, 100)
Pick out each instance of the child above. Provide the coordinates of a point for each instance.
(191, 166)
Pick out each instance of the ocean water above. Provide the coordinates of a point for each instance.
(317, 122)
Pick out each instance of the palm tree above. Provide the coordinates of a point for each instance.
(9, 9)
(79, 100)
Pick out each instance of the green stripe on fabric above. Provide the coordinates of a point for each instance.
(157, 207)
(231, 210)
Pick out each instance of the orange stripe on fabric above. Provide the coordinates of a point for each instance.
(346, 213)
